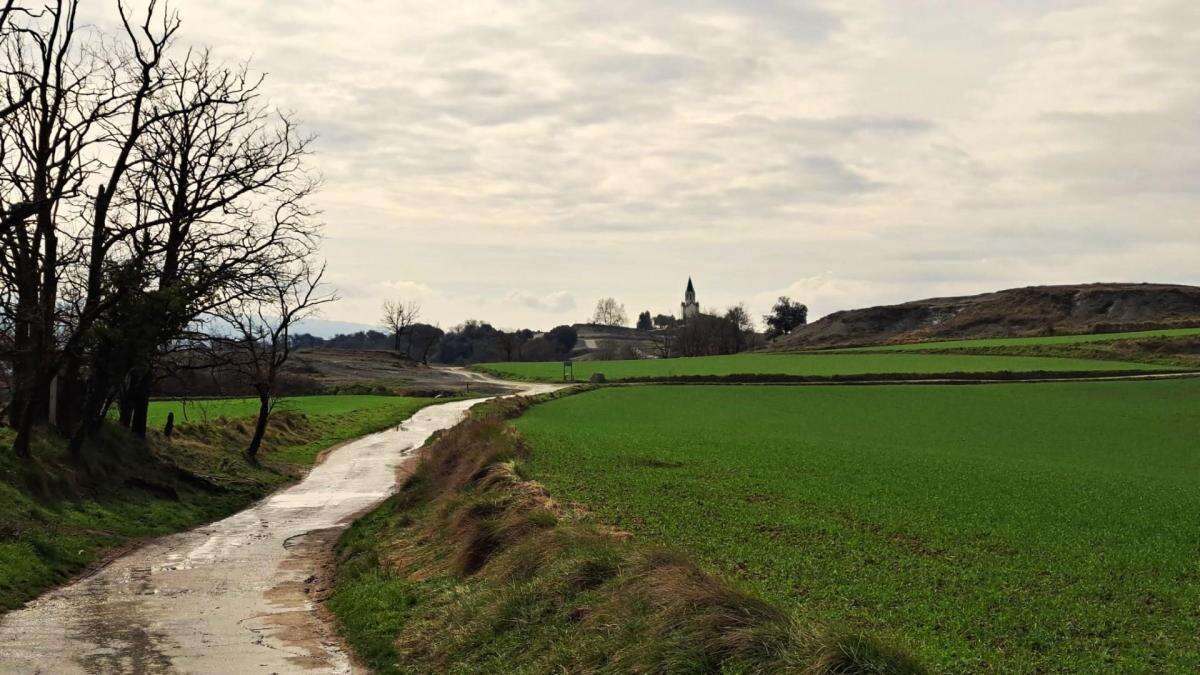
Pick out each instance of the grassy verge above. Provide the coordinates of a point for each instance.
(1172, 348)
(831, 365)
(473, 568)
(1041, 341)
(61, 515)
(1008, 527)
(1170, 352)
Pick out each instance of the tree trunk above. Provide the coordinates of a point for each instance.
(260, 428)
(69, 412)
(125, 405)
(141, 406)
(91, 411)
(24, 432)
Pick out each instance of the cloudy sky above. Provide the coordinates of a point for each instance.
(515, 161)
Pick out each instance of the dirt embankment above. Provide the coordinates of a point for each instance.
(370, 371)
(487, 572)
(1017, 312)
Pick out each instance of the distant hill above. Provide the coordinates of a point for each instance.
(327, 328)
(1017, 312)
(594, 339)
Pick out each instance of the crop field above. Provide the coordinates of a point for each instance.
(1027, 341)
(819, 365)
(1016, 527)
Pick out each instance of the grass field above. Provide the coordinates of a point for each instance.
(819, 365)
(202, 410)
(1028, 341)
(60, 517)
(1015, 527)
(469, 568)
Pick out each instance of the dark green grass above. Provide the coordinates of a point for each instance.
(469, 569)
(1029, 341)
(58, 516)
(1017, 527)
(338, 417)
(202, 410)
(819, 365)
(372, 601)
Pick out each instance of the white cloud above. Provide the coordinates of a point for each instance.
(556, 302)
(408, 290)
(847, 152)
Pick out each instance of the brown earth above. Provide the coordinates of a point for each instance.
(1017, 312)
(371, 371)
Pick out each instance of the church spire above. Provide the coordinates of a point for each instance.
(689, 307)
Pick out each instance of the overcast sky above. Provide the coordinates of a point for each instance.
(515, 161)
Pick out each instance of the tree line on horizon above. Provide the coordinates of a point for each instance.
(476, 341)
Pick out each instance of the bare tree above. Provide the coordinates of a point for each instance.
(609, 313)
(46, 152)
(260, 344)
(742, 328)
(203, 180)
(198, 200)
(21, 92)
(399, 317)
(147, 44)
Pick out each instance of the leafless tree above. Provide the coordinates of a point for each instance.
(202, 182)
(46, 152)
(19, 90)
(147, 43)
(399, 317)
(261, 324)
(609, 312)
(740, 332)
(141, 194)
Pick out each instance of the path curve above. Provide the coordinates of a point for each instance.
(230, 597)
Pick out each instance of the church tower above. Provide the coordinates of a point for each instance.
(689, 307)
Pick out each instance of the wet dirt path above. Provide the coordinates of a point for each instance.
(235, 596)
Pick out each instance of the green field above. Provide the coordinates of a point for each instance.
(202, 410)
(1029, 341)
(817, 365)
(1014, 527)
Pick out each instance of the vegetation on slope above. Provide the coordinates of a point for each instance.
(472, 568)
(1088, 339)
(62, 514)
(825, 365)
(1015, 527)
(1031, 311)
(1181, 352)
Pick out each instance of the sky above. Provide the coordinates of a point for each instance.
(515, 161)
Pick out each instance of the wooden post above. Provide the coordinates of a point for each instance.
(53, 418)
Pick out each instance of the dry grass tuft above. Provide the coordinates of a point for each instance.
(534, 588)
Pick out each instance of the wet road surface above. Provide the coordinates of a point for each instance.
(234, 596)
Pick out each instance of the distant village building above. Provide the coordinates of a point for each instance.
(689, 307)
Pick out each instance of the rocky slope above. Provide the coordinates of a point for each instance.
(1016, 312)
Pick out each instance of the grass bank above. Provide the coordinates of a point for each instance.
(61, 515)
(473, 568)
(1172, 348)
(1009, 527)
(811, 365)
(1047, 340)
